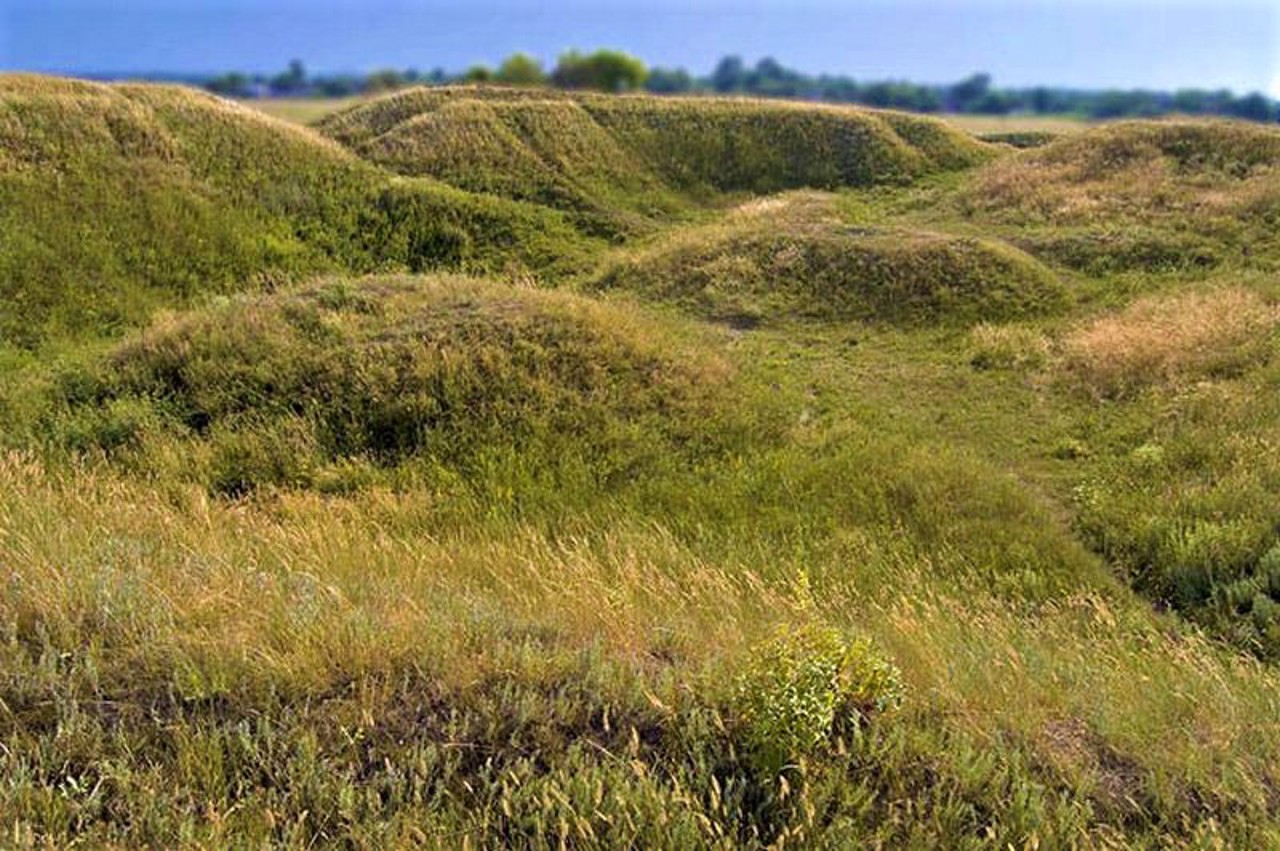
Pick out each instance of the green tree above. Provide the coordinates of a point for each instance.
(478, 74)
(771, 79)
(966, 94)
(1191, 101)
(232, 85)
(606, 70)
(729, 75)
(1254, 107)
(385, 80)
(668, 81)
(521, 69)
(292, 80)
(342, 85)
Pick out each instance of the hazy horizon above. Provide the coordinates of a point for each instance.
(1131, 44)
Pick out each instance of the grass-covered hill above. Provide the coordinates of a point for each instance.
(615, 160)
(1176, 195)
(121, 199)
(115, 200)
(450, 380)
(795, 256)
(883, 489)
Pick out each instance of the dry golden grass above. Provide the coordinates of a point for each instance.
(1156, 340)
(1139, 171)
(152, 593)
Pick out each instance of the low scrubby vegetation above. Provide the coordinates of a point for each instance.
(1138, 171)
(913, 506)
(1169, 196)
(1180, 339)
(1187, 507)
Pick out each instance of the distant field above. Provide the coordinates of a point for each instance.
(301, 110)
(981, 124)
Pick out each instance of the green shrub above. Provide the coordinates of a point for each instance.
(116, 424)
(804, 687)
(279, 454)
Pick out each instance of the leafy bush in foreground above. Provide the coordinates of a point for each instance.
(803, 688)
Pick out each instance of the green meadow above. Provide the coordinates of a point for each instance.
(484, 467)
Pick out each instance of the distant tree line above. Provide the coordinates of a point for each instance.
(614, 71)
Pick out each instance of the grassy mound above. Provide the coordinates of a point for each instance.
(548, 152)
(608, 157)
(522, 567)
(795, 256)
(1150, 195)
(117, 199)
(344, 383)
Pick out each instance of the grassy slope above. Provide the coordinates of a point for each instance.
(115, 200)
(449, 382)
(312, 110)
(508, 657)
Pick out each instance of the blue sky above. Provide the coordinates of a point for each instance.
(1086, 43)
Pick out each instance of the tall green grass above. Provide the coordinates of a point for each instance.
(357, 670)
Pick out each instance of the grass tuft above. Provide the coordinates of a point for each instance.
(1200, 335)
